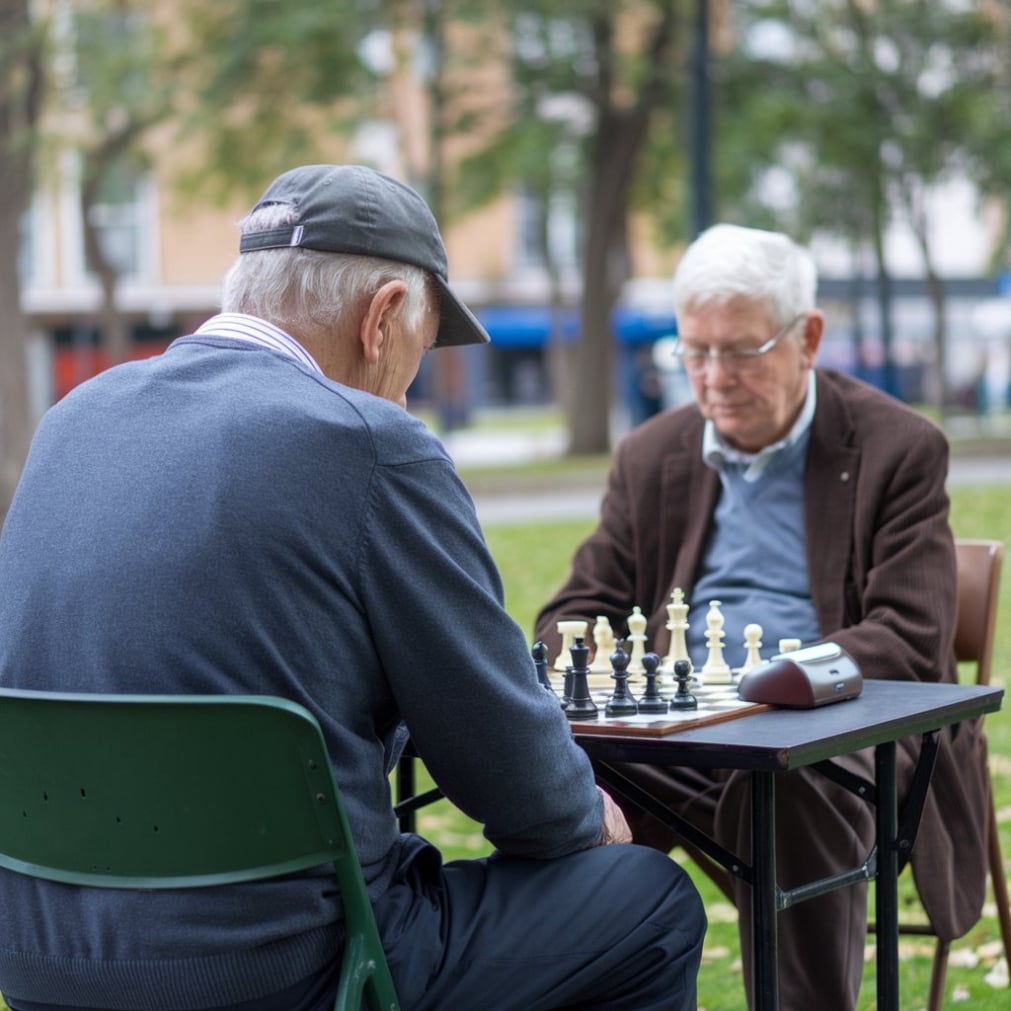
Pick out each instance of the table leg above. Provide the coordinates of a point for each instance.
(887, 890)
(763, 898)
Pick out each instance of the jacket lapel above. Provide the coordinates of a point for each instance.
(680, 550)
(830, 486)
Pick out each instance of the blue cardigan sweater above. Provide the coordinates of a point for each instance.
(221, 519)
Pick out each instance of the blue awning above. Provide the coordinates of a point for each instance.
(524, 326)
(528, 326)
(635, 326)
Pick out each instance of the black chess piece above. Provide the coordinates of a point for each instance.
(567, 685)
(539, 651)
(580, 705)
(621, 702)
(651, 701)
(683, 698)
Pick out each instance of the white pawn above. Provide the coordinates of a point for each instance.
(637, 637)
(677, 625)
(752, 645)
(715, 671)
(569, 631)
(603, 638)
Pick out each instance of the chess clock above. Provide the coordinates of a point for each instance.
(804, 678)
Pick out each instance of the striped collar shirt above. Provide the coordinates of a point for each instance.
(253, 330)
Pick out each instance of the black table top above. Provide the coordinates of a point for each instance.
(783, 739)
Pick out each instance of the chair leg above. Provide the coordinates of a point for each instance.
(1000, 893)
(937, 975)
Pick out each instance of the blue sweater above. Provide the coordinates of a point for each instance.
(755, 561)
(221, 519)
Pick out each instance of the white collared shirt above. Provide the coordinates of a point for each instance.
(253, 330)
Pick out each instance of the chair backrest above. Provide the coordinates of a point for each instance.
(175, 791)
(164, 791)
(979, 569)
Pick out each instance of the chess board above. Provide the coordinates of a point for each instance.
(716, 704)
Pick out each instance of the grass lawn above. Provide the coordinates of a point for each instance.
(533, 559)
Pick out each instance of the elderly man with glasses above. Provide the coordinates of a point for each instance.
(815, 506)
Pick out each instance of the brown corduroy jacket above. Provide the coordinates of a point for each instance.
(883, 581)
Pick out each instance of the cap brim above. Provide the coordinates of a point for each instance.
(457, 324)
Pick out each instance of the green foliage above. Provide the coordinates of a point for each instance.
(272, 84)
(575, 69)
(863, 105)
(115, 56)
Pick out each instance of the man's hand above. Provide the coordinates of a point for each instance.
(616, 829)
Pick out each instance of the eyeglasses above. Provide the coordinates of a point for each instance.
(695, 360)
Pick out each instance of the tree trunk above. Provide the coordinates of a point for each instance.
(109, 321)
(620, 134)
(558, 353)
(590, 401)
(20, 92)
(448, 368)
(884, 298)
(936, 386)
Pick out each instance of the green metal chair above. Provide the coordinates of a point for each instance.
(168, 791)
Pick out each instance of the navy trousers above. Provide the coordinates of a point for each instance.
(614, 928)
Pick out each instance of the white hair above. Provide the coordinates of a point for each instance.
(727, 263)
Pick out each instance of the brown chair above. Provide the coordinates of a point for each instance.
(979, 569)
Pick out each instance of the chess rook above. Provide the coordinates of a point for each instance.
(568, 630)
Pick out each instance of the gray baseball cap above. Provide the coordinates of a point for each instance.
(354, 209)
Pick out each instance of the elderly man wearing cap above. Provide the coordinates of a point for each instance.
(253, 512)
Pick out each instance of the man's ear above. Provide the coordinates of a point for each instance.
(813, 329)
(381, 313)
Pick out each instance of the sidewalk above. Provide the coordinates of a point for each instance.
(490, 448)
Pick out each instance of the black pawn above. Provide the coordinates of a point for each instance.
(651, 702)
(540, 654)
(683, 698)
(580, 705)
(621, 702)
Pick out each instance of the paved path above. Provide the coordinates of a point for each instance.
(575, 503)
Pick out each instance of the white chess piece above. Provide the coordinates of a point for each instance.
(637, 637)
(789, 645)
(569, 631)
(715, 670)
(603, 637)
(752, 645)
(677, 625)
